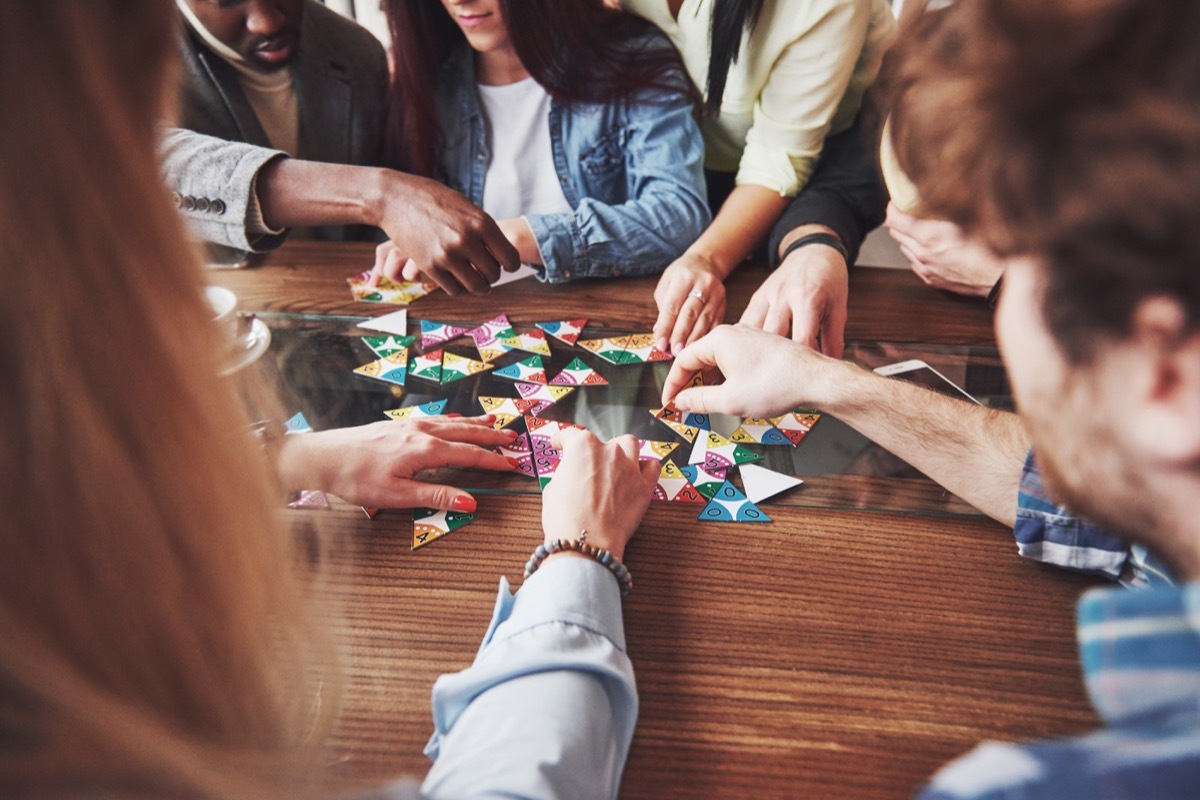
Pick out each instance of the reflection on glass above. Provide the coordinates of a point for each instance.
(314, 358)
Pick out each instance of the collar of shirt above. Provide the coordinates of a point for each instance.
(1141, 653)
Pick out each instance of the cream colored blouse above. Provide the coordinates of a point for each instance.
(800, 75)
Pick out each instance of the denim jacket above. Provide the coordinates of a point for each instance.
(633, 172)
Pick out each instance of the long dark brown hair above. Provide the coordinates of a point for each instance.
(730, 18)
(580, 51)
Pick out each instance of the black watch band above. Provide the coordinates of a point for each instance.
(827, 239)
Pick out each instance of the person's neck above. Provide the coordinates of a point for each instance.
(1176, 527)
(499, 67)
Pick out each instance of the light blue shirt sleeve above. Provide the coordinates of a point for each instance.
(548, 708)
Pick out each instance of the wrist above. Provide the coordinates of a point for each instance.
(823, 239)
(299, 463)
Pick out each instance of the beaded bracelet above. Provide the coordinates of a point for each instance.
(580, 545)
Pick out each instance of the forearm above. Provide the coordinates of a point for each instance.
(295, 193)
(975, 452)
(742, 222)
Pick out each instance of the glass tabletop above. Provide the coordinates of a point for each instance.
(312, 358)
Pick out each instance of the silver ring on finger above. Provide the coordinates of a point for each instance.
(696, 293)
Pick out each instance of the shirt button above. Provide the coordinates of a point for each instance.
(480, 157)
(177, 199)
(616, 273)
(217, 207)
(189, 203)
(202, 204)
(562, 179)
(566, 273)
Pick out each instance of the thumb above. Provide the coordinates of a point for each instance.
(703, 399)
(441, 497)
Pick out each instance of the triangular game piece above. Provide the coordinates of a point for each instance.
(297, 424)
(530, 370)
(455, 368)
(395, 323)
(545, 457)
(720, 453)
(532, 342)
(674, 487)
(519, 454)
(758, 431)
(487, 337)
(641, 349)
(384, 346)
(310, 498)
(541, 391)
(506, 409)
(730, 505)
(388, 291)
(565, 330)
(392, 369)
(795, 425)
(762, 483)
(609, 350)
(578, 373)
(435, 333)
(427, 366)
(430, 524)
(705, 481)
(649, 450)
(433, 409)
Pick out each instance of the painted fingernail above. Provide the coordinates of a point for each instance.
(454, 415)
(464, 502)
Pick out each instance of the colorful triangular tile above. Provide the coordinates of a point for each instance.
(395, 323)
(720, 453)
(427, 366)
(392, 368)
(530, 370)
(567, 330)
(430, 524)
(640, 348)
(545, 456)
(706, 482)
(649, 450)
(674, 487)
(730, 505)
(762, 483)
(532, 342)
(510, 408)
(795, 425)
(297, 424)
(578, 373)
(609, 350)
(758, 431)
(541, 391)
(310, 498)
(519, 454)
(435, 333)
(387, 291)
(487, 337)
(384, 346)
(433, 409)
(455, 368)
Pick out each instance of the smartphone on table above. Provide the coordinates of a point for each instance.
(919, 372)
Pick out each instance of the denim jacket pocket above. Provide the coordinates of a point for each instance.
(603, 167)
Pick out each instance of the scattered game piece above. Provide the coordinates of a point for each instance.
(297, 424)
(686, 425)
(674, 487)
(758, 431)
(384, 346)
(310, 498)
(721, 453)
(705, 481)
(578, 373)
(762, 483)
(545, 457)
(519, 454)
(435, 333)
(530, 370)
(487, 337)
(654, 451)
(641, 347)
(391, 368)
(730, 505)
(567, 330)
(540, 391)
(519, 274)
(427, 366)
(388, 291)
(507, 409)
(610, 350)
(371, 513)
(395, 322)
(433, 409)
(795, 425)
(455, 368)
(430, 524)
(532, 342)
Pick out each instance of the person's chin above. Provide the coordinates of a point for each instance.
(278, 58)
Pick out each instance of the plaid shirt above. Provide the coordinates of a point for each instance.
(1049, 532)
(1141, 660)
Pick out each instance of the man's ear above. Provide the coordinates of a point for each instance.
(1167, 421)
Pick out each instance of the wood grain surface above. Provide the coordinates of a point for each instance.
(832, 654)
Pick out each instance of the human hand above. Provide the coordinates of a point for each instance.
(447, 239)
(941, 256)
(390, 263)
(691, 302)
(764, 374)
(600, 487)
(376, 465)
(807, 293)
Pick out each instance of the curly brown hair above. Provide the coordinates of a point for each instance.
(1065, 130)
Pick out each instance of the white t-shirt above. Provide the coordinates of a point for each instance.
(521, 178)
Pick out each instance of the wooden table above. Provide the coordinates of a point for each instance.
(832, 654)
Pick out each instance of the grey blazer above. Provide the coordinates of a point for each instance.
(211, 160)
